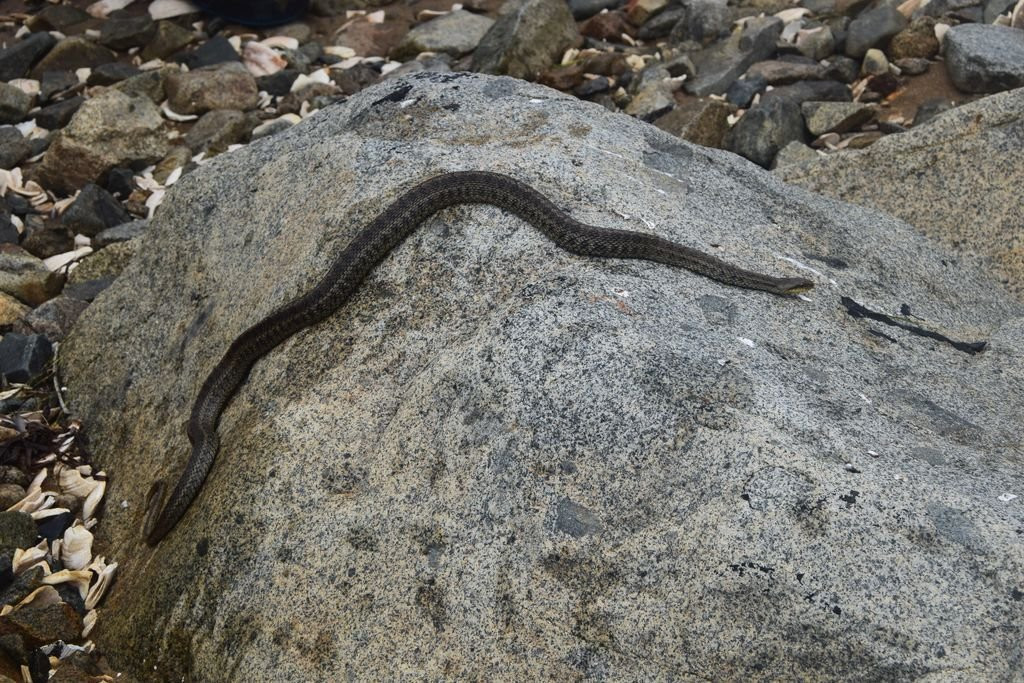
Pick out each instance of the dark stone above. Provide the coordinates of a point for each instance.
(217, 129)
(23, 357)
(14, 104)
(704, 22)
(722, 63)
(17, 530)
(798, 93)
(214, 51)
(8, 233)
(766, 129)
(912, 66)
(591, 87)
(168, 39)
(52, 528)
(55, 317)
(73, 53)
(279, 83)
(121, 33)
(20, 56)
(88, 290)
(58, 114)
(984, 58)
(57, 18)
(120, 233)
(39, 145)
(843, 69)
(741, 92)
(18, 205)
(93, 211)
(120, 182)
(930, 109)
(53, 82)
(661, 24)
(44, 239)
(873, 29)
(993, 8)
(13, 147)
(114, 72)
(584, 9)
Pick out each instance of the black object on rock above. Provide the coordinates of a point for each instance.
(256, 12)
(22, 357)
(94, 210)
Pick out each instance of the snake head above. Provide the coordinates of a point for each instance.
(794, 285)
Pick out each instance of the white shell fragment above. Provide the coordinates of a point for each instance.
(285, 42)
(80, 578)
(175, 116)
(25, 559)
(165, 9)
(104, 576)
(58, 261)
(101, 9)
(76, 552)
(261, 60)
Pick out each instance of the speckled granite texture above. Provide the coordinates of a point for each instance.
(506, 462)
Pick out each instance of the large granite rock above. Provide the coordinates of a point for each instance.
(502, 461)
(957, 179)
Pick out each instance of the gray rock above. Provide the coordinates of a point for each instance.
(115, 72)
(702, 122)
(795, 152)
(14, 104)
(57, 18)
(122, 33)
(149, 84)
(215, 51)
(13, 148)
(98, 270)
(983, 58)
(110, 129)
(742, 91)
(227, 86)
(54, 318)
(456, 33)
(836, 117)
(816, 43)
(704, 22)
(993, 8)
(528, 37)
(930, 109)
(940, 178)
(216, 130)
(45, 238)
(875, 63)
(168, 39)
(872, 29)
(73, 53)
(58, 114)
(23, 357)
(17, 530)
(651, 101)
(722, 63)
(661, 24)
(912, 66)
(803, 91)
(766, 129)
(18, 57)
(93, 211)
(120, 233)
(786, 71)
(493, 432)
(278, 84)
(53, 82)
(584, 9)
(841, 68)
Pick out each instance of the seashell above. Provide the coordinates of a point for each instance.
(58, 261)
(80, 578)
(88, 621)
(940, 32)
(792, 14)
(340, 51)
(261, 60)
(153, 201)
(27, 558)
(105, 574)
(165, 9)
(388, 67)
(908, 8)
(77, 550)
(376, 17)
(101, 9)
(40, 597)
(286, 42)
(83, 74)
(1017, 16)
(348, 63)
(236, 42)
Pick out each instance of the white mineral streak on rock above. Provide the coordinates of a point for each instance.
(747, 342)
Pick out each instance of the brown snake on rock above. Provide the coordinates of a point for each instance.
(367, 249)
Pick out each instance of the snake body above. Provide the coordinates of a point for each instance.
(367, 249)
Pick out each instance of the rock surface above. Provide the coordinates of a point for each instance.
(985, 58)
(548, 466)
(957, 180)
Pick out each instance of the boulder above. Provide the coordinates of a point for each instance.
(503, 461)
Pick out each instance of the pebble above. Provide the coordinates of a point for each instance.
(984, 58)
(835, 117)
(215, 51)
(14, 104)
(121, 33)
(168, 39)
(13, 148)
(22, 357)
(457, 33)
(766, 129)
(872, 28)
(73, 53)
(93, 211)
(224, 86)
(22, 55)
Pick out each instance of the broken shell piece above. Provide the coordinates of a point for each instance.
(792, 14)
(105, 575)
(339, 51)
(286, 42)
(58, 261)
(940, 32)
(27, 85)
(34, 498)
(175, 116)
(165, 9)
(79, 578)
(101, 9)
(261, 60)
(1017, 16)
(76, 552)
(25, 559)
(376, 17)
(154, 200)
(88, 621)
(236, 42)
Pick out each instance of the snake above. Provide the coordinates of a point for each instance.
(365, 251)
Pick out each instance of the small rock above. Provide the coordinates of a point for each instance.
(13, 149)
(984, 58)
(20, 56)
(640, 11)
(766, 129)
(372, 40)
(872, 29)
(10, 493)
(592, 86)
(57, 18)
(930, 109)
(917, 40)
(705, 21)
(783, 72)
(53, 527)
(149, 84)
(14, 104)
(94, 210)
(742, 91)
(120, 233)
(228, 86)
(658, 26)
(722, 63)
(214, 51)
(842, 69)
(58, 114)
(53, 82)
(11, 310)
(794, 153)
(17, 530)
(121, 33)
(217, 129)
(167, 39)
(73, 53)
(110, 129)
(456, 34)
(88, 290)
(278, 84)
(652, 100)
(584, 9)
(37, 625)
(45, 238)
(911, 66)
(530, 36)
(297, 30)
(120, 182)
(607, 26)
(179, 156)
(292, 102)
(803, 91)
(97, 270)
(704, 122)
(816, 43)
(874, 63)
(115, 72)
(835, 117)
(23, 357)
(271, 127)
(54, 318)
